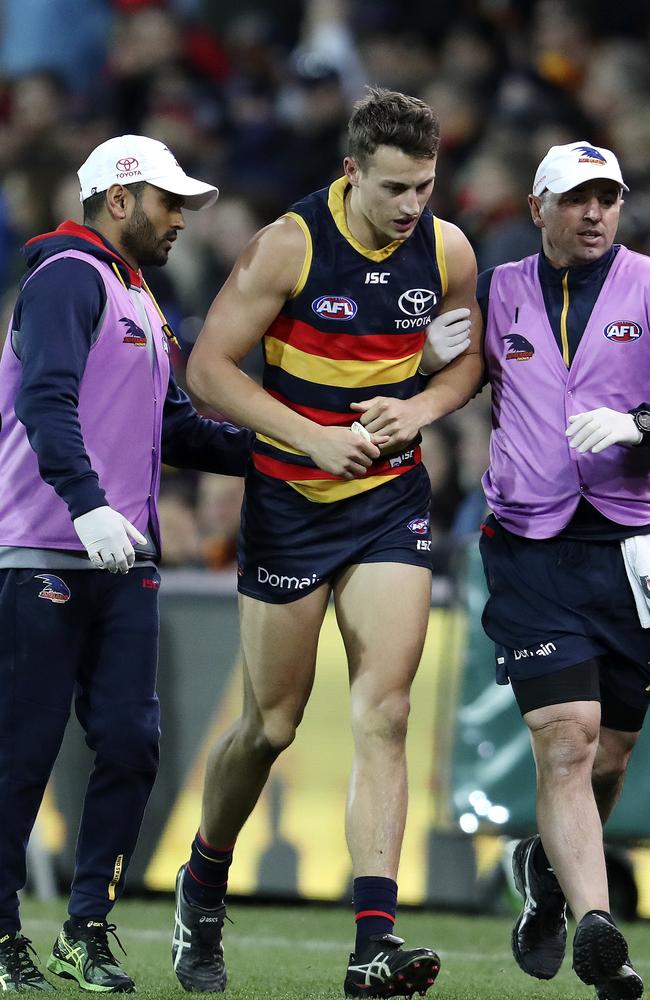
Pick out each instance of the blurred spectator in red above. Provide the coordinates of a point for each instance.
(218, 509)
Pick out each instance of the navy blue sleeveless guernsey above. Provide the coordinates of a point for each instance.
(353, 328)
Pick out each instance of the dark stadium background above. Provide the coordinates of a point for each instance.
(254, 97)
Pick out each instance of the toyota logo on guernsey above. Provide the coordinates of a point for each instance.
(128, 167)
(417, 303)
(334, 307)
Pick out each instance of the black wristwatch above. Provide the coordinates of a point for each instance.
(641, 415)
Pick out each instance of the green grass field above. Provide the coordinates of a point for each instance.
(296, 953)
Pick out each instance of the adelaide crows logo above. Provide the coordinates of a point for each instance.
(55, 589)
(589, 154)
(135, 334)
(520, 349)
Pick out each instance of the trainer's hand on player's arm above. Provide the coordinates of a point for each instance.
(596, 430)
(447, 337)
(396, 420)
(341, 451)
(104, 533)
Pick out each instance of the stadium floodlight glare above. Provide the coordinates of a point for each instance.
(468, 823)
(479, 802)
(498, 814)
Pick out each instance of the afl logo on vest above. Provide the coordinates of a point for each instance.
(622, 331)
(334, 307)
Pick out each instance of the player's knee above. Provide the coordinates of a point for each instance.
(271, 734)
(563, 747)
(128, 735)
(385, 718)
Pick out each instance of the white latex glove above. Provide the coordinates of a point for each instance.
(104, 533)
(596, 430)
(447, 337)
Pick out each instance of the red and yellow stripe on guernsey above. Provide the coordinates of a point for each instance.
(346, 361)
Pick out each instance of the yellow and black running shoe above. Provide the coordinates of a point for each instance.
(82, 952)
(18, 973)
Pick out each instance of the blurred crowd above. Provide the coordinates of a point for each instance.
(255, 97)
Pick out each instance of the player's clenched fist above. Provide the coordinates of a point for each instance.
(341, 451)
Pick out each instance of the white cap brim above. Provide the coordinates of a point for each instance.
(197, 194)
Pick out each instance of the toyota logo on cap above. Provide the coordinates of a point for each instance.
(126, 164)
(416, 301)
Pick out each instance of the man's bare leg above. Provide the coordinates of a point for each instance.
(279, 643)
(383, 612)
(615, 748)
(565, 739)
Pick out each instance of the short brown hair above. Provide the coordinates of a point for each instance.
(388, 118)
(93, 206)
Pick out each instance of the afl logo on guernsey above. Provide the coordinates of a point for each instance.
(622, 331)
(334, 307)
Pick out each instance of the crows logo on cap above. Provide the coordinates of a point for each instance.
(590, 155)
(520, 349)
(55, 589)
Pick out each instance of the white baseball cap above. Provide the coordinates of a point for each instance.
(564, 167)
(128, 159)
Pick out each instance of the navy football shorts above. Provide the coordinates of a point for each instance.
(289, 545)
(558, 602)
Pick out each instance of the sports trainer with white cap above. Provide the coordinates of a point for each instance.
(567, 347)
(90, 409)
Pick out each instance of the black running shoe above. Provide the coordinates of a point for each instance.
(601, 959)
(383, 969)
(197, 952)
(539, 935)
(82, 952)
(18, 974)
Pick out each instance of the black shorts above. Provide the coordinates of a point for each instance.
(289, 545)
(558, 602)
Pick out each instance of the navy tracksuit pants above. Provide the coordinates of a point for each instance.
(92, 637)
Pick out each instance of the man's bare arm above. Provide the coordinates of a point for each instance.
(453, 386)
